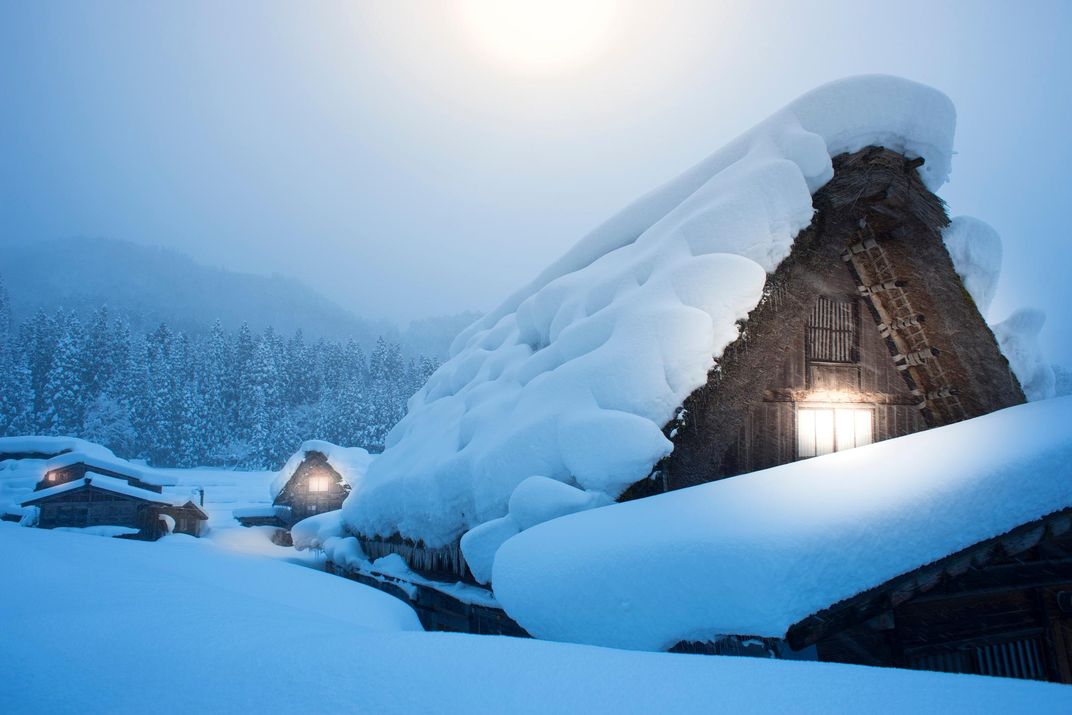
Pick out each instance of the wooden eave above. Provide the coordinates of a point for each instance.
(965, 565)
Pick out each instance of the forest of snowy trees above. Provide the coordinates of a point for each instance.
(183, 400)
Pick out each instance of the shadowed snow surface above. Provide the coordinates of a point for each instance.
(94, 625)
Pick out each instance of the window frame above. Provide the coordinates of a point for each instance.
(862, 436)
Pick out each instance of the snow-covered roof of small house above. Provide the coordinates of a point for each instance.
(110, 463)
(350, 463)
(111, 484)
(758, 553)
(43, 447)
(574, 376)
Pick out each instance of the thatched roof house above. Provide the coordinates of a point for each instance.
(790, 296)
(316, 479)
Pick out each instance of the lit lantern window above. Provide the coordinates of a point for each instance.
(319, 484)
(822, 431)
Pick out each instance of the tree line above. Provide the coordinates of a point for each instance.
(183, 400)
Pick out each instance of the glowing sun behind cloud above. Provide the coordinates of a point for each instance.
(539, 35)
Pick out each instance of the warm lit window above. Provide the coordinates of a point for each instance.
(319, 484)
(51, 476)
(822, 431)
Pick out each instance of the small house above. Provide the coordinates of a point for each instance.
(95, 499)
(316, 479)
(21, 459)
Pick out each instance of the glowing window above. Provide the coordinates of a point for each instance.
(822, 431)
(51, 476)
(319, 484)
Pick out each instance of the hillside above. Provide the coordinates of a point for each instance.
(149, 285)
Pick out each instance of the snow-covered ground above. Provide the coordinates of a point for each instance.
(99, 625)
(225, 491)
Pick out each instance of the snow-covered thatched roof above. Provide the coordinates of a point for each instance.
(573, 377)
(350, 463)
(756, 554)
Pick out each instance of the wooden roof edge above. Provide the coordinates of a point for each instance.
(870, 603)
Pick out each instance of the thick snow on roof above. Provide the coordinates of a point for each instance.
(754, 554)
(573, 377)
(111, 484)
(52, 446)
(207, 631)
(976, 250)
(350, 462)
(18, 477)
(112, 463)
(1018, 336)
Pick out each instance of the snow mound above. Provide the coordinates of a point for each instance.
(574, 376)
(976, 251)
(536, 500)
(350, 462)
(1018, 336)
(755, 554)
(314, 531)
(275, 637)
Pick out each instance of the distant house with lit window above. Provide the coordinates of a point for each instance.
(316, 478)
(89, 490)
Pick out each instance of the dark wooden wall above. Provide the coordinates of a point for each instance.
(89, 506)
(1011, 617)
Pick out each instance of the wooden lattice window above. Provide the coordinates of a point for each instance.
(832, 331)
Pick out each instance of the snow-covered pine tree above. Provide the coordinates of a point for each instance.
(64, 393)
(6, 326)
(97, 366)
(16, 393)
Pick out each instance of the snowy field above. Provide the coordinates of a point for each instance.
(97, 625)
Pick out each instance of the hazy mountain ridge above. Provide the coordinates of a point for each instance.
(149, 285)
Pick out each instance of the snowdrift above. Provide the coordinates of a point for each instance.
(754, 554)
(203, 630)
(573, 377)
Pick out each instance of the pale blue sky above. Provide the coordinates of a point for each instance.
(376, 152)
